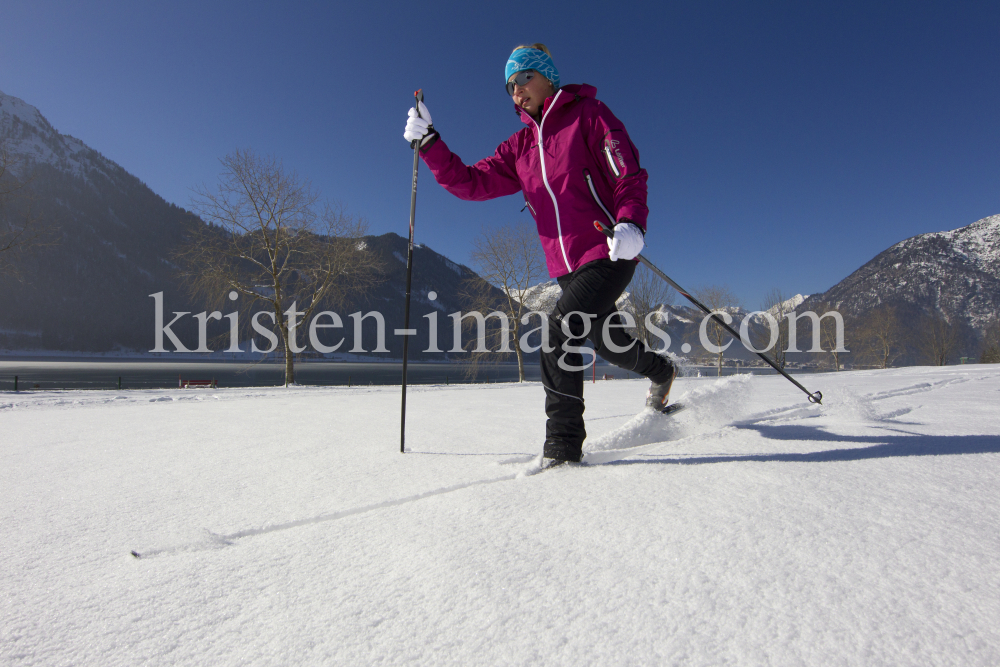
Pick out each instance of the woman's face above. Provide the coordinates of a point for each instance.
(532, 95)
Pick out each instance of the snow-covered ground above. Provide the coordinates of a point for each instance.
(283, 526)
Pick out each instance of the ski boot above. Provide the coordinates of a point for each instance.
(556, 453)
(659, 392)
(551, 463)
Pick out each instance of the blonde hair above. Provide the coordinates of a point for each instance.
(536, 45)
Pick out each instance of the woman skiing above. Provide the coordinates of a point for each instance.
(575, 164)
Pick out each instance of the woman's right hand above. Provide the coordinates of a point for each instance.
(419, 125)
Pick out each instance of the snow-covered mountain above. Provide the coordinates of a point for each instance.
(542, 297)
(954, 273)
(115, 240)
(29, 135)
(787, 305)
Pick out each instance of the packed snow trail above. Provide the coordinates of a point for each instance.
(707, 408)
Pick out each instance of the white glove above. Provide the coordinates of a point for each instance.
(628, 241)
(419, 126)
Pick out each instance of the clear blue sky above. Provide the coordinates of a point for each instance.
(787, 143)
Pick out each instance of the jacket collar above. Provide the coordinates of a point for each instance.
(566, 94)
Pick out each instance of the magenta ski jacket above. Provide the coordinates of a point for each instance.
(577, 166)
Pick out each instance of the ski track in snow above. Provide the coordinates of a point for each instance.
(710, 408)
(216, 541)
(282, 526)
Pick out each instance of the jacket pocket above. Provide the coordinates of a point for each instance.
(597, 199)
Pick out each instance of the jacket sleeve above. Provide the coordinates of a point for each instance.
(612, 148)
(489, 178)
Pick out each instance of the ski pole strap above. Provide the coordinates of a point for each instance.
(814, 397)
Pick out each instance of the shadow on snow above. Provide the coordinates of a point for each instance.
(882, 446)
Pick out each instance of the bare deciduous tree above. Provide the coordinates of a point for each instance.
(510, 258)
(936, 339)
(991, 344)
(646, 293)
(830, 338)
(830, 332)
(718, 298)
(831, 335)
(775, 303)
(269, 240)
(880, 337)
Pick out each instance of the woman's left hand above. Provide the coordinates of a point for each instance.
(628, 241)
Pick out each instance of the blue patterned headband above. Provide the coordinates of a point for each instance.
(535, 59)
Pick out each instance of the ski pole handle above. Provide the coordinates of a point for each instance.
(418, 97)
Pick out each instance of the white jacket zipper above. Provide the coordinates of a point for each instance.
(545, 180)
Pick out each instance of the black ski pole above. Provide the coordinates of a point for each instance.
(814, 397)
(415, 145)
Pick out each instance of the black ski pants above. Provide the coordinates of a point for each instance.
(591, 291)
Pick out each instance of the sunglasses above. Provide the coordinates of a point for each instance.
(520, 79)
